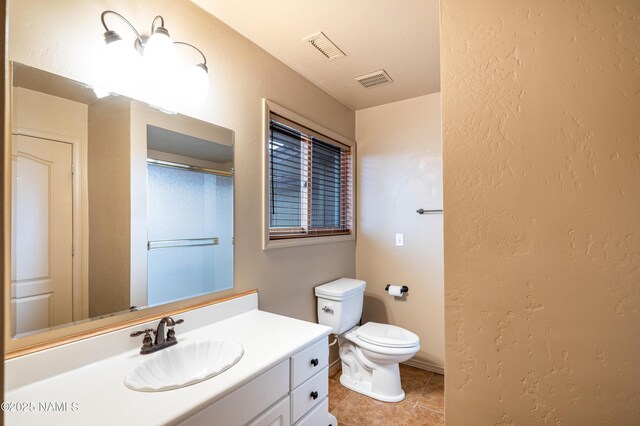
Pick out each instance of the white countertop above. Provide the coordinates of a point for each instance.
(95, 393)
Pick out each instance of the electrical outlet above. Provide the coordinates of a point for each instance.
(399, 240)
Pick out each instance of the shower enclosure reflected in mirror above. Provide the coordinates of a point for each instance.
(116, 206)
(189, 222)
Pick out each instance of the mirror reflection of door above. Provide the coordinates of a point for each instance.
(42, 216)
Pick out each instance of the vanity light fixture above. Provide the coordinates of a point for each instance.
(150, 67)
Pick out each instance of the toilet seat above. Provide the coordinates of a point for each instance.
(386, 335)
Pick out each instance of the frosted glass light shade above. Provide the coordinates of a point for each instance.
(149, 69)
(195, 83)
(159, 49)
(117, 50)
(118, 67)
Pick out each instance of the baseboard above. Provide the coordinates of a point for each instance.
(334, 366)
(425, 366)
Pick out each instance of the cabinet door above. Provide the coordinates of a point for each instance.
(243, 404)
(319, 416)
(278, 415)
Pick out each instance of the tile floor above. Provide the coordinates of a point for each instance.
(423, 405)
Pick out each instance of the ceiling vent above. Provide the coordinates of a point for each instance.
(374, 79)
(325, 46)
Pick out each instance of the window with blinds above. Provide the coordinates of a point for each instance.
(310, 183)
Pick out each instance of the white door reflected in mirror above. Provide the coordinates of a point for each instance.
(42, 214)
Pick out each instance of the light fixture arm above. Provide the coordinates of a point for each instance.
(153, 23)
(204, 58)
(104, 24)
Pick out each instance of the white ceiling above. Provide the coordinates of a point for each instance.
(399, 36)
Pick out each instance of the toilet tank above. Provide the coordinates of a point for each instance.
(340, 303)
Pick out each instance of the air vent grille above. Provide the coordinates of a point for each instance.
(325, 46)
(374, 79)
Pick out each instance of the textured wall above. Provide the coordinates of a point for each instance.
(63, 36)
(400, 171)
(541, 136)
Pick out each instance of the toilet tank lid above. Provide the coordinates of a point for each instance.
(341, 288)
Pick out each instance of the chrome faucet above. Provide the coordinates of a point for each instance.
(161, 341)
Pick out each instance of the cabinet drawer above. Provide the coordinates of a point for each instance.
(245, 403)
(302, 398)
(308, 362)
(278, 415)
(319, 416)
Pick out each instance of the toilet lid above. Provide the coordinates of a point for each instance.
(387, 335)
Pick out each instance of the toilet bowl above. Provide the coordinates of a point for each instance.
(370, 363)
(370, 353)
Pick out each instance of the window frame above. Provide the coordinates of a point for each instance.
(270, 107)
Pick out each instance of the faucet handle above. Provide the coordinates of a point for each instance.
(171, 322)
(171, 333)
(147, 342)
(140, 332)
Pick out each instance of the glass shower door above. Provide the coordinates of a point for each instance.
(189, 233)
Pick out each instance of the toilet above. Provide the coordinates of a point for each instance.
(370, 353)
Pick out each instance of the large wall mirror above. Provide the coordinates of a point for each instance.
(116, 206)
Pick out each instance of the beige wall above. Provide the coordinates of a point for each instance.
(49, 114)
(400, 171)
(541, 115)
(241, 74)
(109, 159)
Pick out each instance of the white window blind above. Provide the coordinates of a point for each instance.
(310, 183)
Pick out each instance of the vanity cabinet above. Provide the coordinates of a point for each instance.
(278, 415)
(293, 392)
(310, 383)
(245, 403)
(317, 416)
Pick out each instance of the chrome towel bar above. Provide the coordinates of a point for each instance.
(184, 242)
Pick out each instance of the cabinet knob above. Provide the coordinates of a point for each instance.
(314, 395)
(314, 362)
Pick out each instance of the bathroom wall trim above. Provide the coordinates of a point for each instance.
(425, 366)
(122, 325)
(334, 366)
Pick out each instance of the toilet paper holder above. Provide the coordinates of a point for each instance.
(404, 288)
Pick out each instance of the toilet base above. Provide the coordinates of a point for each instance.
(365, 389)
(378, 381)
(372, 370)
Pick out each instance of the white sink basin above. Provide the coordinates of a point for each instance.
(183, 365)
